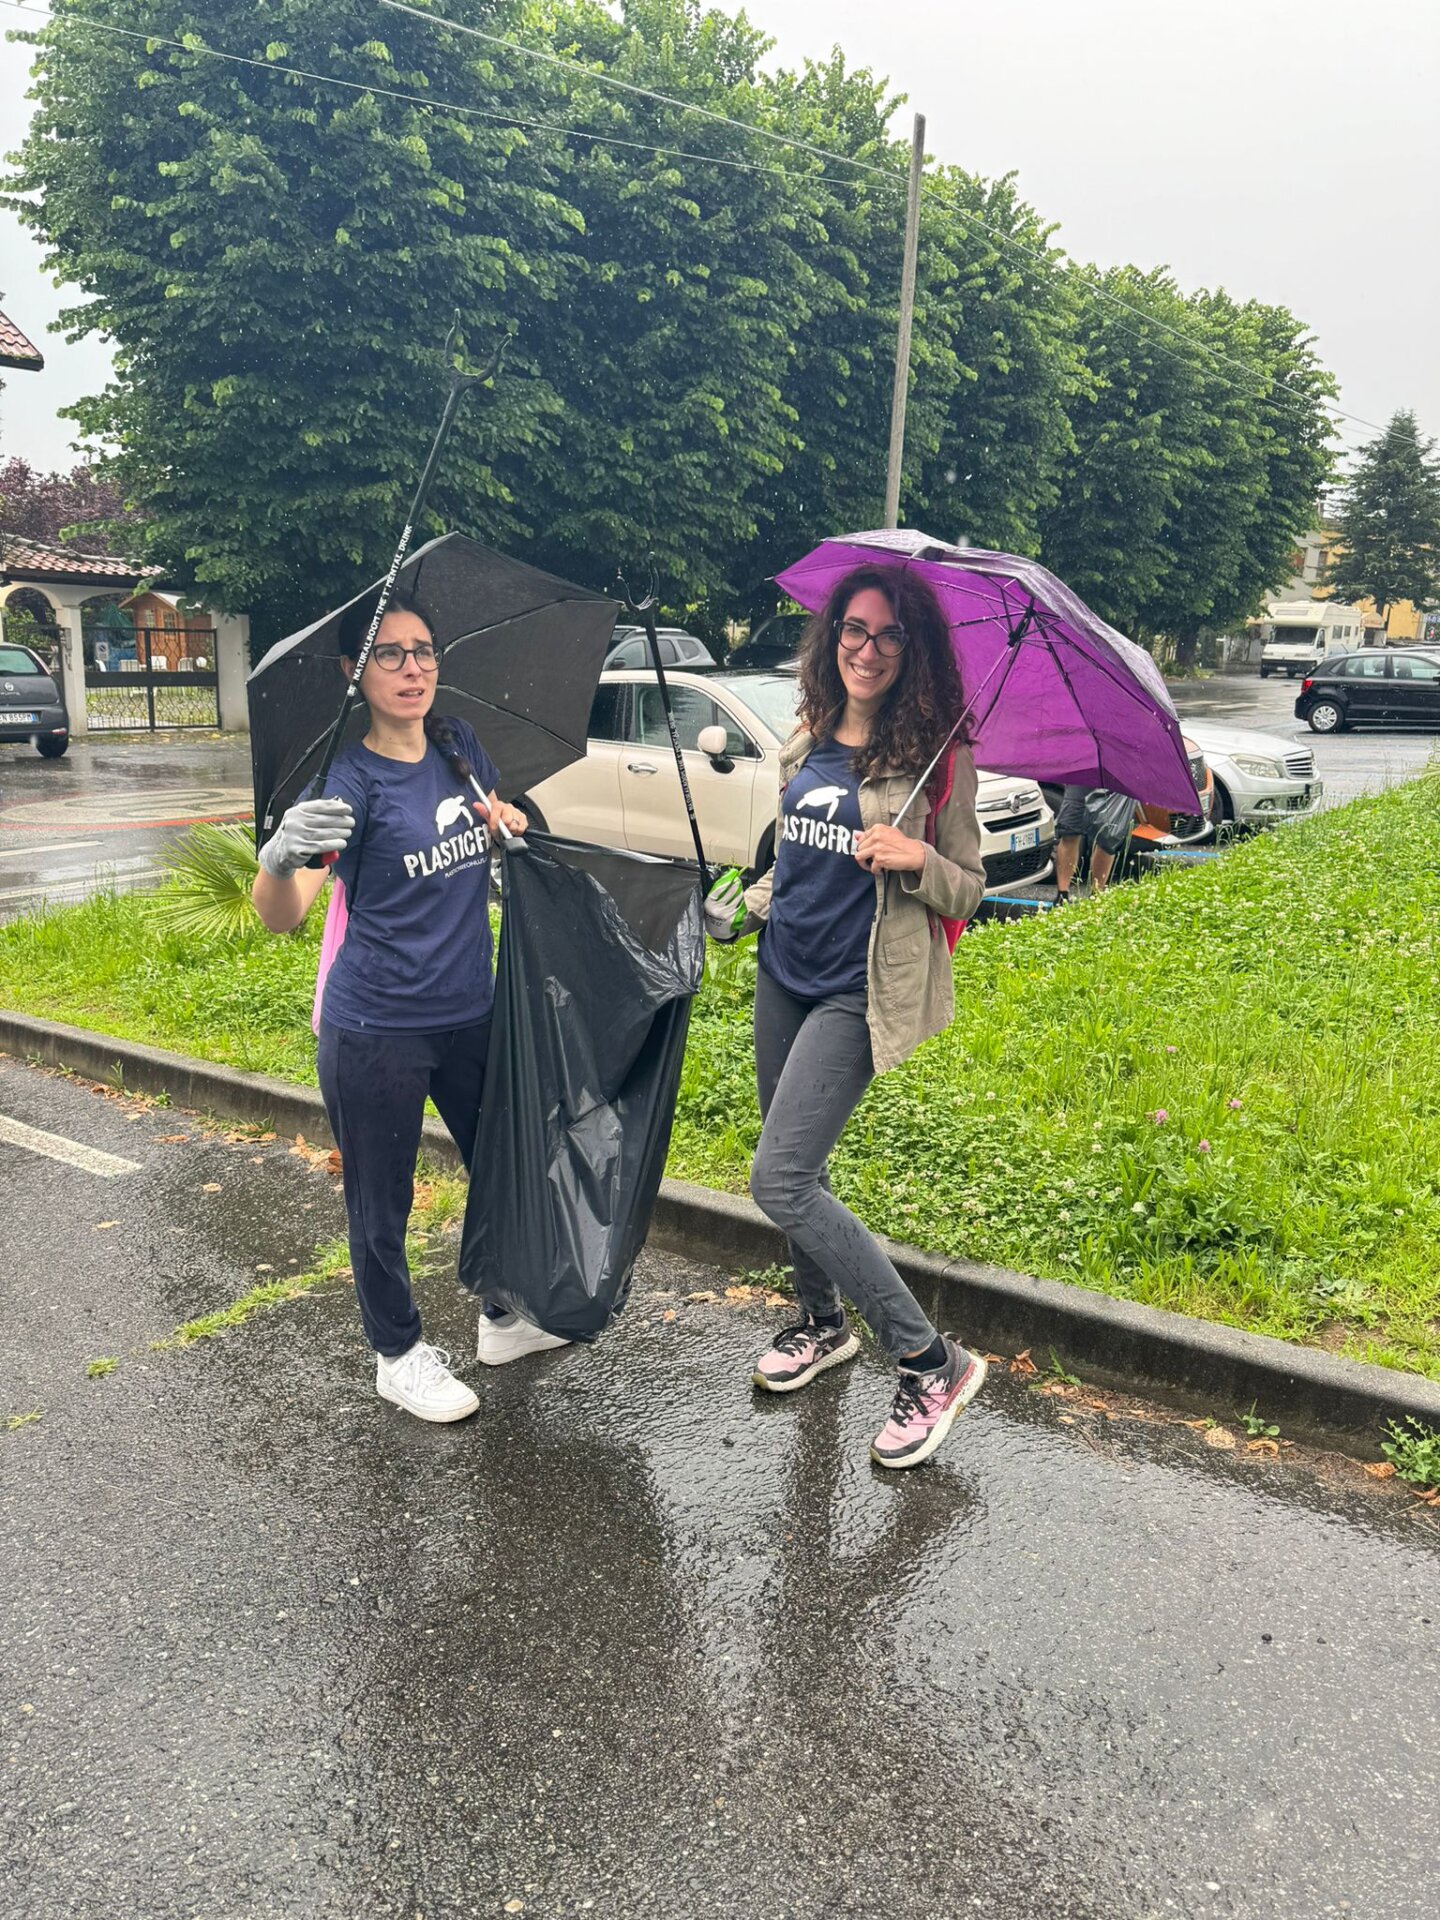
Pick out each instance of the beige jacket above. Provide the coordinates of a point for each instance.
(910, 981)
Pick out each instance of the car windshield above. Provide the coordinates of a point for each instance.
(773, 696)
(16, 660)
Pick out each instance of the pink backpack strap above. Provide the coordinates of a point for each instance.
(337, 918)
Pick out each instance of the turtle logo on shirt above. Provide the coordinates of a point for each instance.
(452, 810)
(827, 797)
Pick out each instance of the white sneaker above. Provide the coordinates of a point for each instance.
(422, 1383)
(511, 1338)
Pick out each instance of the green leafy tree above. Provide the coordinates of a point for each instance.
(1106, 532)
(1389, 520)
(1201, 452)
(840, 352)
(669, 365)
(1003, 311)
(1259, 457)
(276, 263)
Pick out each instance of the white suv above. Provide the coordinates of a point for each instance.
(626, 791)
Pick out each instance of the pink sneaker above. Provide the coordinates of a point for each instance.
(925, 1408)
(799, 1353)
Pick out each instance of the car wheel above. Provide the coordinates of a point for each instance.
(1325, 717)
(52, 749)
(1264, 673)
(764, 859)
(1224, 810)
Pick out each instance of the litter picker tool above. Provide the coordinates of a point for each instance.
(460, 384)
(644, 612)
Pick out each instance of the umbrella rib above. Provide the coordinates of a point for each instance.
(498, 626)
(1080, 711)
(509, 713)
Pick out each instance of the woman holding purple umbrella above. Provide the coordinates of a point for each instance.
(855, 971)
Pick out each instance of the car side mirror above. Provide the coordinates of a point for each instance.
(713, 742)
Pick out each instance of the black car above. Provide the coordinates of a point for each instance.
(1381, 687)
(629, 647)
(774, 645)
(31, 707)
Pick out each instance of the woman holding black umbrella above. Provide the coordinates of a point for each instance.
(406, 814)
(855, 969)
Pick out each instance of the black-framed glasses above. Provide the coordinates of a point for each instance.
(888, 642)
(390, 655)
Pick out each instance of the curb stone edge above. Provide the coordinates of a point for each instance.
(1317, 1397)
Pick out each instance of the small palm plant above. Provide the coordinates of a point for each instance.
(211, 870)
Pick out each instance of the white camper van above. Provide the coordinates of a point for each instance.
(1297, 635)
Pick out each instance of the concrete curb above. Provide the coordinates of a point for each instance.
(1312, 1395)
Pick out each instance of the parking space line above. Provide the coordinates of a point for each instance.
(55, 1146)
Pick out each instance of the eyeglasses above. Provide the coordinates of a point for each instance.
(888, 642)
(390, 655)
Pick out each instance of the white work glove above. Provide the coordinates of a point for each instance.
(308, 828)
(725, 907)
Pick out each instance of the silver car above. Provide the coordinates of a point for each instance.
(1260, 778)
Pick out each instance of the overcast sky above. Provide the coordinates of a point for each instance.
(1277, 149)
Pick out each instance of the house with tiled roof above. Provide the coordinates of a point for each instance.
(16, 350)
(121, 667)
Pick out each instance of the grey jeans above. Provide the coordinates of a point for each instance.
(812, 1064)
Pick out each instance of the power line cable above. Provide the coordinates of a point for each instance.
(430, 101)
(1050, 260)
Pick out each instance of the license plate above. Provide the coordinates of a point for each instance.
(18, 719)
(1028, 837)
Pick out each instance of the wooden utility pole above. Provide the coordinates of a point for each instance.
(907, 317)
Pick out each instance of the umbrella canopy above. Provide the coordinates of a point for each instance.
(523, 652)
(1055, 693)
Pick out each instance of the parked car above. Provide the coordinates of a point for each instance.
(1189, 829)
(1162, 826)
(1259, 778)
(731, 724)
(775, 643)
(631, 648)
(31, 705)
(1382, 687)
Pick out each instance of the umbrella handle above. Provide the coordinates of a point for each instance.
(1006, 660)
(513, 842)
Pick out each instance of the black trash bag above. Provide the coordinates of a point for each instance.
(600, 957)
(1108, 819)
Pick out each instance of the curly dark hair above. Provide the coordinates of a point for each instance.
(926, 697)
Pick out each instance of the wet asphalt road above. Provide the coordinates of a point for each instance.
(99, 817)
(633, 1642)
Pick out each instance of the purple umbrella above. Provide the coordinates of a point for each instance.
(1051, 691)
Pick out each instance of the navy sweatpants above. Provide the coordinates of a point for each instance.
(375, 1086)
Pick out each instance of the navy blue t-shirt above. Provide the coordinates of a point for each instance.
(416, 955)
(822, 902)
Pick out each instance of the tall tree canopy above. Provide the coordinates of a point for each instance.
(1389, 520)
(1201, 451)
(703, 319)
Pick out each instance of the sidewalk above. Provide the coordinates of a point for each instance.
(635, 1642)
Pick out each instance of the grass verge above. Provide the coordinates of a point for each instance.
(1213, 1092)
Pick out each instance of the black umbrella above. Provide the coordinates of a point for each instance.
(522, 654)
